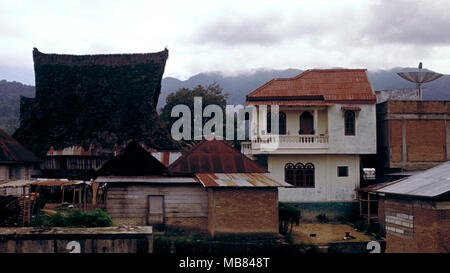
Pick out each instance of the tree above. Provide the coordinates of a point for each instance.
(211, 95)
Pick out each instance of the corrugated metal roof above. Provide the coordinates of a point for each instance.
(430, 183)
(57, 183)
(214, 156)
(13, 151)
(240, 180)
(334, 85)
(146, 179)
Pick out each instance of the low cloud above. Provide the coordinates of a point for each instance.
(409, 22)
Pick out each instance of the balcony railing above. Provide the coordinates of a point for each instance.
(282, 142)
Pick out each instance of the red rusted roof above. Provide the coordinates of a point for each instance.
(214, 156)
(328, 85)
(13, 151)
(289, 102)
(56, 183)
(240, 180)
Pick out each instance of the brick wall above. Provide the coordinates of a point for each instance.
(430, 227)
(413, 135)
(191, 223)
(425, 140)
(243, 210)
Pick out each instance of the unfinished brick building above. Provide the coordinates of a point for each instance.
(413, 135)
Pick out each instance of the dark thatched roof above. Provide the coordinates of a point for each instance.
(94, 99)
(132, 161)
(12, 151)
(214, 156)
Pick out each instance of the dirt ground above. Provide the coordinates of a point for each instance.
(326, 233)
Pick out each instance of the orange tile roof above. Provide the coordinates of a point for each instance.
(328, 85)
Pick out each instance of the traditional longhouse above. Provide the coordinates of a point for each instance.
(16, 162)
(88, 105)
(415, 212)
(212, 188)
(326, 123)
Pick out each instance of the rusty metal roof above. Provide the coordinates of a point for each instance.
(329, 85)
(240, 180)
(214, 156)
(13, 151)
(146, 179)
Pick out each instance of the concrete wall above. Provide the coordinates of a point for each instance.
(364, 141)
(328, 186)
(332, 210)
(90, 240)
(242, 210)
(331, 120)
(416, 226)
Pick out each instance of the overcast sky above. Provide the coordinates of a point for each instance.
(230, 36)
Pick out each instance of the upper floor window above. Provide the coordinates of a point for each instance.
(306, 124)
(350, 123)
(281, 123)
(300, 175)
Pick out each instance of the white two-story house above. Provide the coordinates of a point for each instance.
(327, 120)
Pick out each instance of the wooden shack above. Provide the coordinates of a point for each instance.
(212, 188)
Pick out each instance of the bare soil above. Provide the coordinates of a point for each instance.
(326, 233)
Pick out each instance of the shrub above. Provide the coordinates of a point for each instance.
(288, 215)
(76, 218)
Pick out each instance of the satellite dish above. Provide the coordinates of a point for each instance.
(420, 77)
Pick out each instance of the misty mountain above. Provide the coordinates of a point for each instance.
(10, 93)
(236, 86)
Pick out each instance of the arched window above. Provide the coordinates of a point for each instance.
(281, 123)
(300, 175)
(289, 173)
(309, 175)
(306, 124)
(350, 123)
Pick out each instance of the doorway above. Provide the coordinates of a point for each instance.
(155, 209)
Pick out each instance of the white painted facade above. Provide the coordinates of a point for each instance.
(327, 149)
